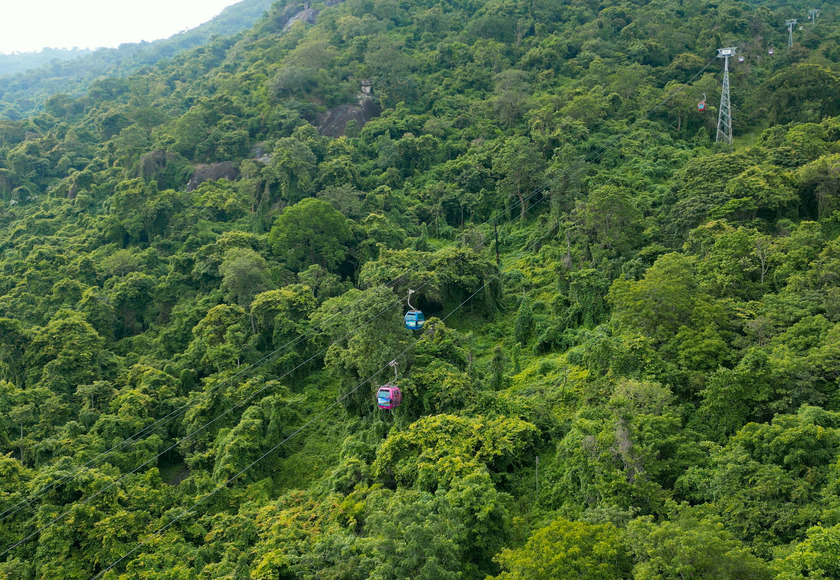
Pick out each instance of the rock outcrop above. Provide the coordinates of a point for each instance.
(334, 122)
(260, 153)
(301, 12)
(307, 15)
(212, 172)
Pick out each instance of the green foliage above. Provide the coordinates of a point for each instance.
(418, 537)
(611, 221)
(218, 340)
(819, 183)
(803, 92)
(244, 275)
(660, 303)
(766, 480)
(625, 454)
(658, 322)
(566, 549)
(260, 429)
(279, 318)
(448, 277)
(519, 164)
(364, 332)
(437, 381)
(66, 353)
(438, 449)
(690, 545)
(524, 322)
(700, 187)
(310, 232)
(758, 191)
(815, 557)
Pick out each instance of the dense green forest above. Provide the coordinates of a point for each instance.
(631, 361)
(28, 80)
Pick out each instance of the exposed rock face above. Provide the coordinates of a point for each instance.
(153, 163)
(335, 121)
(308, 15)
(288, 12)
(259, 153)
(168, 169)
(223, 170)
(295, 12)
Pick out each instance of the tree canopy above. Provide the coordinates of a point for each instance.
(630, 363)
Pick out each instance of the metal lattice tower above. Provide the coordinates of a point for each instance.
(812, 15)
(790, 24)
(724, 124)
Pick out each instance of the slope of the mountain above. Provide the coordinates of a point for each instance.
(23, 61)
(27, 80)
(630, 365)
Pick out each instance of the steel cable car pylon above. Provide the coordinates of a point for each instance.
(389, 396)
(414, 319)
(724, 124)
(790, 24)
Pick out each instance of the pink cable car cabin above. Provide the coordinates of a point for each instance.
(388, 397)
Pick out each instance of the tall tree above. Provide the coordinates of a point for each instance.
(310, 232)
(519, 167)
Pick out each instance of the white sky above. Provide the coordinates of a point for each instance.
(30, 25)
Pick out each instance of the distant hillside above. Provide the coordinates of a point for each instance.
(27, 80)
(15, 63)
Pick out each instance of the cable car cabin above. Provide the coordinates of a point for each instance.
(388, 397)
(741, 59)
(770, 52)
(414, 320)
(701, 106)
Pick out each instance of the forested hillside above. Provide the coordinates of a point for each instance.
(630, 366)
(29, 80)
(22, 61)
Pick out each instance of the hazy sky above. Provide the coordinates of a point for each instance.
(29, 25)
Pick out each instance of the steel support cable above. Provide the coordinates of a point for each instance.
(185, 438)
(317, 416)
(188, 436)
(266, 358)
(254, 366)
(130, 440)
(312, 420)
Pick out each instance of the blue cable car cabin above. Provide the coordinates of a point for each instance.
(414, 320)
